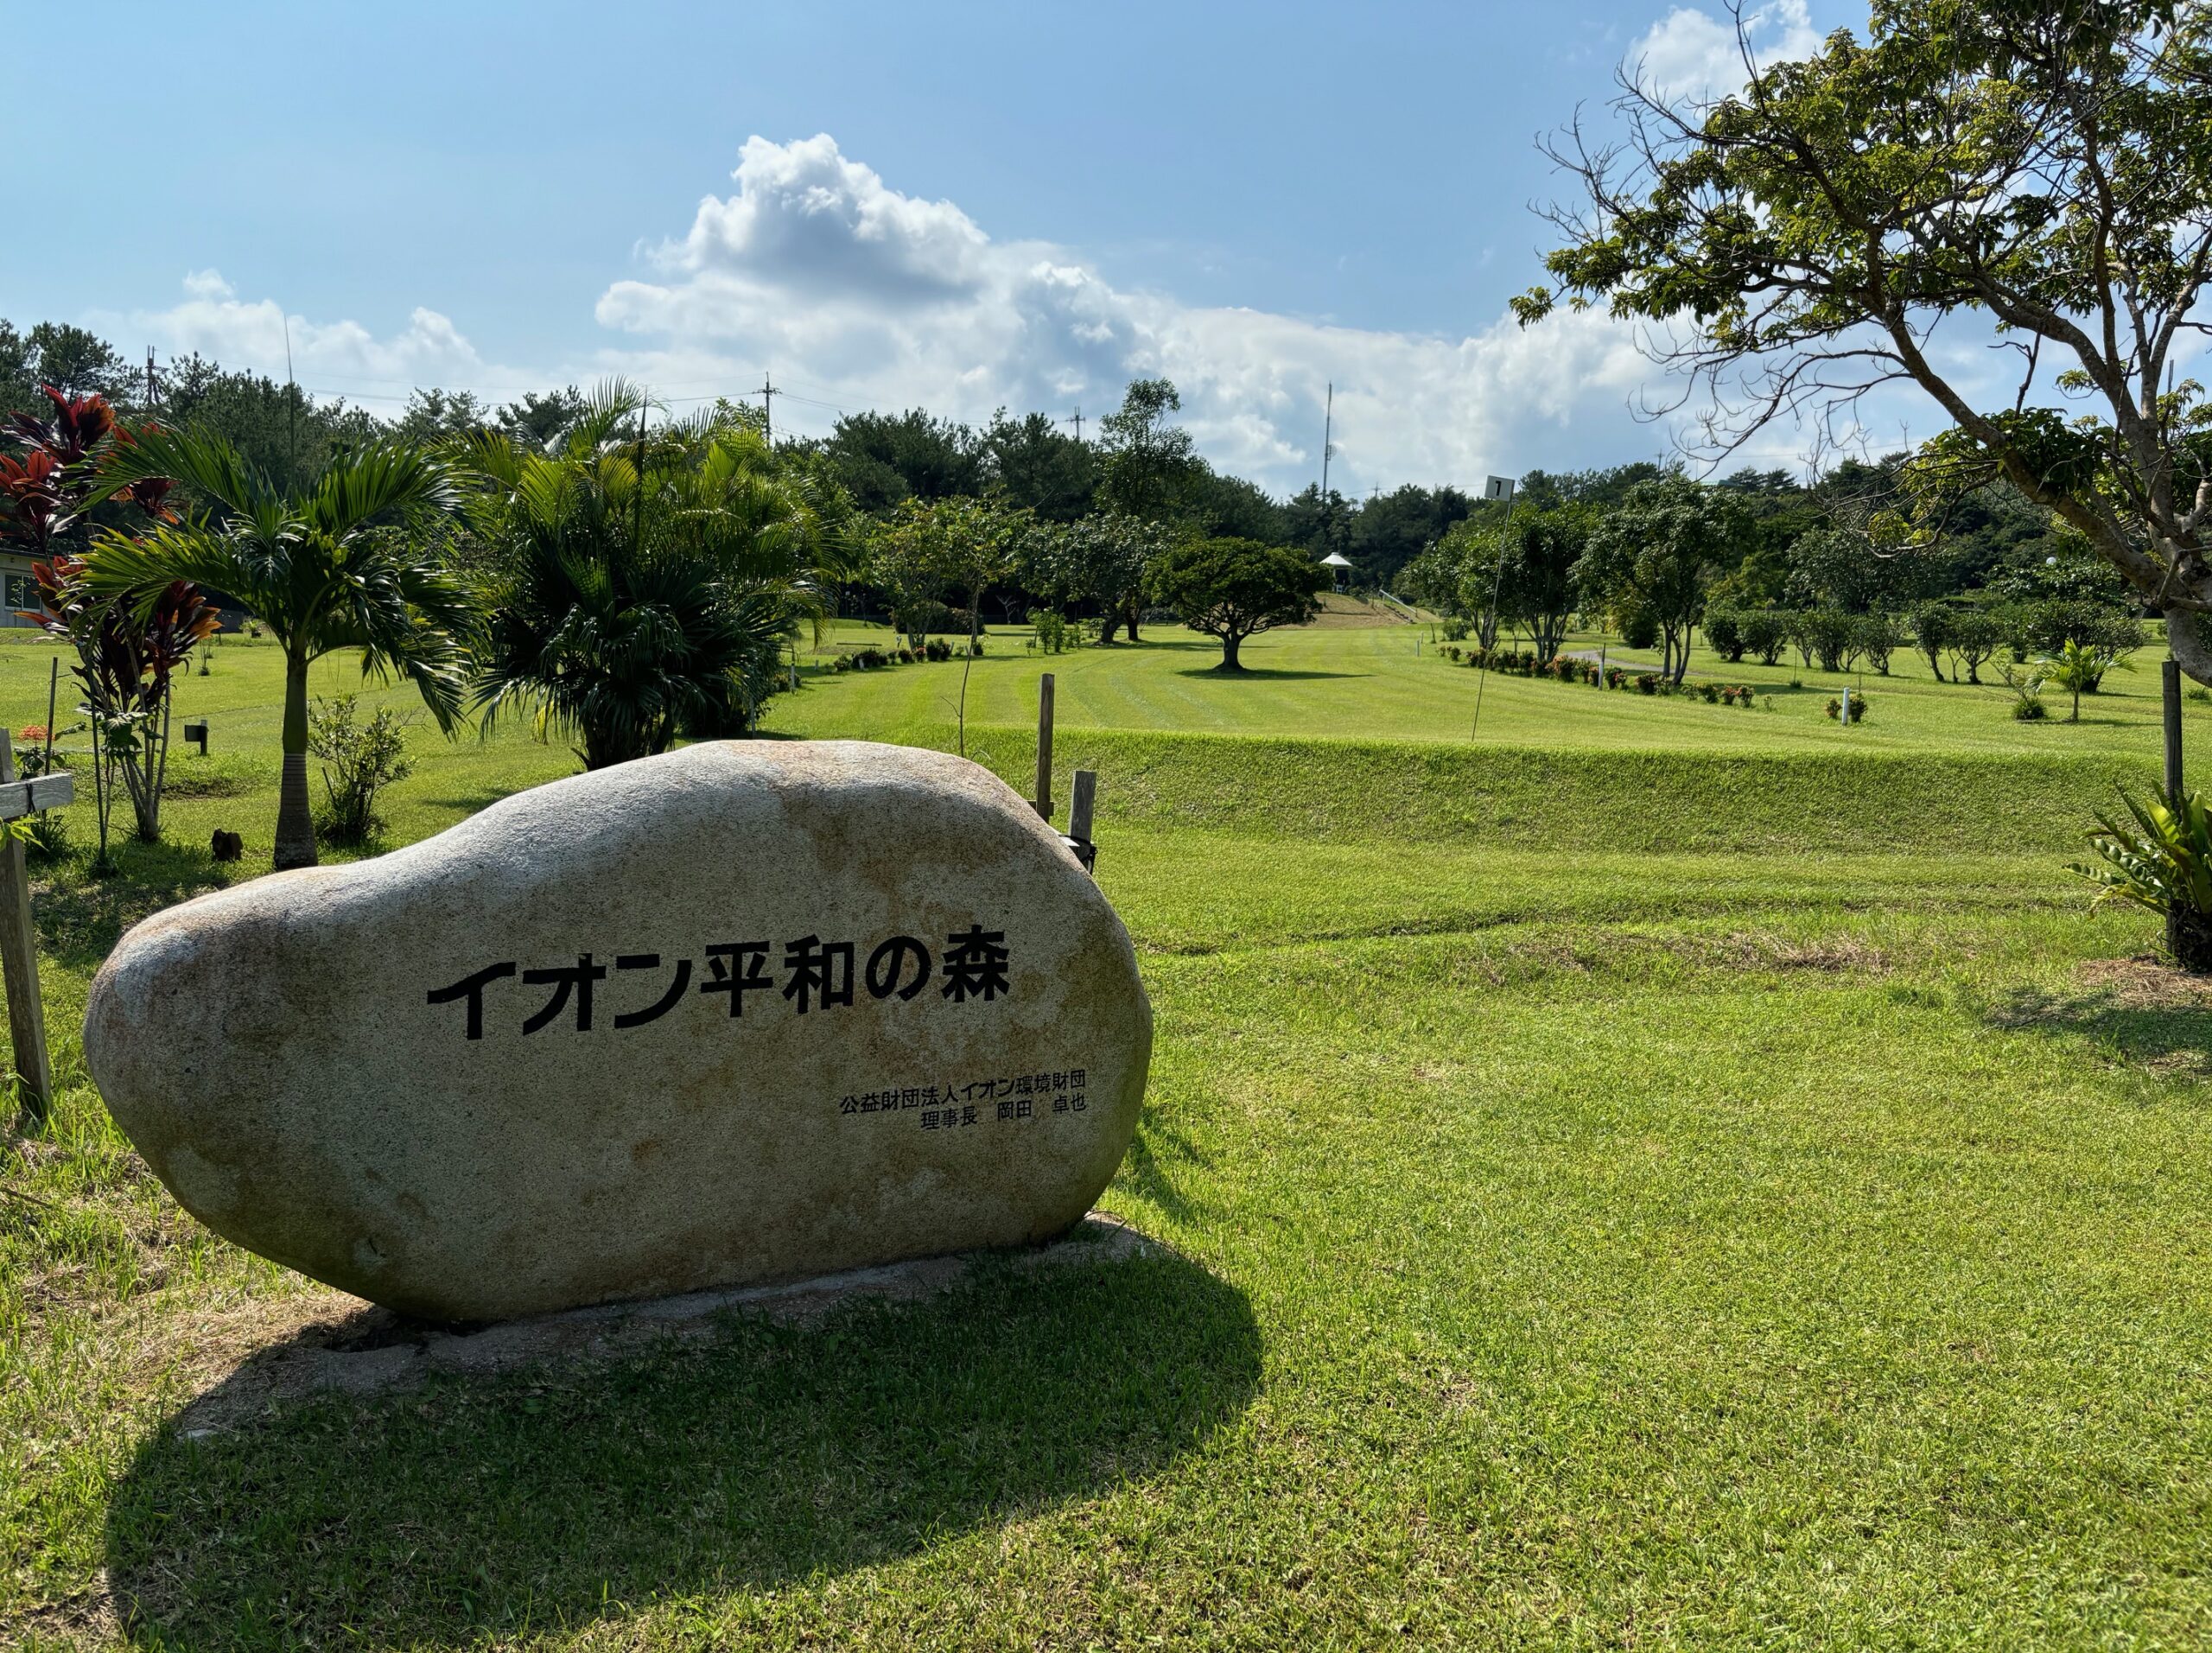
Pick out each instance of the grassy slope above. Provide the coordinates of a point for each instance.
(1737, 1209)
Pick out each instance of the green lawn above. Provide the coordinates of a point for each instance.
(1674, 1175)
(1390, 683)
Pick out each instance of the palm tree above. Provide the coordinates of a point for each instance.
(643, 583)
(333, 567)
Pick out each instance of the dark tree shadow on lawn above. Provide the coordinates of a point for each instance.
(2145, 1013)
(1165, 645)
(475, 1508)
(1264, 674)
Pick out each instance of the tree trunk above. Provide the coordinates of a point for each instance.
(2186, 644)
(143, 773)
(295, 816)
(1129, 618)
(2190, 933)
(1229, 660)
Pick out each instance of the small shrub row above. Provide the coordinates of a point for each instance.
(872, 659)
(1562, 667)
(1858, 707)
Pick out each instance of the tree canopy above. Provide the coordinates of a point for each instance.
(2047, 168)
(1231, 588)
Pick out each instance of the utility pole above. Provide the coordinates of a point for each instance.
(1328, 428)
(1077, 422)
(768, 407)
(153, 394)
(291, 411)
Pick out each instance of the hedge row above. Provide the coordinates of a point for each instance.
(1562, 667)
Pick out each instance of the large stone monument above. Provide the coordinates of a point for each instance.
(744, 1013)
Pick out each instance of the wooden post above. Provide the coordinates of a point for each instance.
(1044, 798)
(53, 687)
(19, 968)
(1080, 805)
(2170, 674)
(2169, 681)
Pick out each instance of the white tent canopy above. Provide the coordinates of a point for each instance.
(1335, 560)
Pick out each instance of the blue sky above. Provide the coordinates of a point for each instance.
(955, 207)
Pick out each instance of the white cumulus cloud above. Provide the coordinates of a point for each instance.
(1694, 54)
(860, 295)
(333, 358)
(854, 295)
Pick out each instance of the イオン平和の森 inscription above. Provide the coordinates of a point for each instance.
(815, 975)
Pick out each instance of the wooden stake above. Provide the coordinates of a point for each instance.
(19, 968)
(2169, 681)
(1080, 806)
(1044, 798)
(2170, 672)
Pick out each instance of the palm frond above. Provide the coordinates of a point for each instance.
(206, 465)
(125, 565)
(611, 412)
(385, 479)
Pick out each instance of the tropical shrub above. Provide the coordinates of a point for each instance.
(359, 760)
(1724, 633)
(1876, 637)
(2161, 859)
(2026, 685)
(1764, 632)
(1858, 707)
(641, 586)
(1049, 630)
(1930, 624)
(2079, 668)
(1973, 636)
(1828, 635)
(128, 655)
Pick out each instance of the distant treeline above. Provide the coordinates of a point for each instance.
(1788, 543)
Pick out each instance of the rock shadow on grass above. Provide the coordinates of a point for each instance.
(472, 1508)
